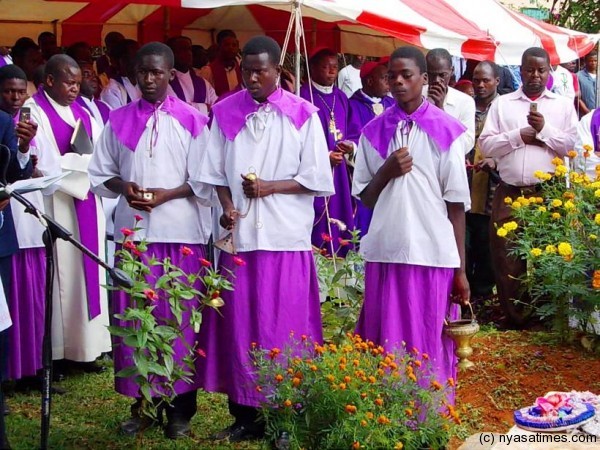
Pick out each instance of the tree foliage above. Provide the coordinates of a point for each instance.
(580, 15)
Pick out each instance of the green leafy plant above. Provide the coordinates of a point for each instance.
(352, 396)
(342, 283)
(557, 234)
(154, 367)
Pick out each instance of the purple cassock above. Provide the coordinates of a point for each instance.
(85, 210)
(199, 88)
(128, 124)
(341, 204)
(362, 112)
(595, 129)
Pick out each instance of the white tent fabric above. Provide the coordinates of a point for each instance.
(479, 29)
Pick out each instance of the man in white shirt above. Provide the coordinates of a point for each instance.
(80, 316)
(458, 104)
(275, 140)
(410, 170)
(223, 73)
(561, 82)
(123, 88)
(349, 80)
(186, 85)
(153, 145)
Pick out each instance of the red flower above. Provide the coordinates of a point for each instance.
(325, 237)
(150, 295)
(238, 261)
(201, 352)
(186, 251)
(215, 294)
(129, 245)
(204, 262)
(127, 232)
(136, 252)
(138, 218)
(343, 242)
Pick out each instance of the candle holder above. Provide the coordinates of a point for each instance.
(461, 332)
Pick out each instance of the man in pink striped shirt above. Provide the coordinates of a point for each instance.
(523, 132)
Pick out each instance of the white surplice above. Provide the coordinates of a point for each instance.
(584, 137)
(115, 94)
(270, 146)
(74, 336)
(175, 155)
(410, 222)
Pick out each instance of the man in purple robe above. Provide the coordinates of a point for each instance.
(186, 85)
(90, 89)
(366, 104)
(274, 139)
(410, 169)
(334, 215)
(152, 146)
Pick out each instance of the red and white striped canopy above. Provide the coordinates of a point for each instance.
(479, 29)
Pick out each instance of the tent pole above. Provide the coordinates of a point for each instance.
(298, 33)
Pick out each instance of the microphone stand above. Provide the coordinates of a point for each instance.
(53, 232)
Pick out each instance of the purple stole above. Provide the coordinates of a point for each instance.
(129, 122)
(122, 83)
(85, 210)
(102, 107)
(220, 76)
(199, 88)
(439, 125)
(361, 113)
(595, 125)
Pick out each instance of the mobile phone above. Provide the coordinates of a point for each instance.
(533, 107)
(148, 196)
(25, 114)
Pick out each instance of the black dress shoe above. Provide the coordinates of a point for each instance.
(135, 425)
(177, 429)
(239, 433)
(92, 367)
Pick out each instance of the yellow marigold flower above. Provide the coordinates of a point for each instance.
(296, 381)
(560, 170)
(592, 237)
(330, 378)
(556, 203)
(565, 249)
(511, 226)
(569, 195)
(547, 177)
(369, 415)
(435, 385)
(542, 209)
(569, 205)
(363, 423)
(399, 446)
(597, 219)
(551, 248)
(508, 200)
(536, 252)
(408, 412)
(539, 174)
(502, 232)
(313, 368)
(539, 200)
(587, 147)
(412, 377)
(556, 216)
(343, 386)
(597, 193)
(572, 154)
(557, 161)
(597, 168)
(372, 379)
(516, 205)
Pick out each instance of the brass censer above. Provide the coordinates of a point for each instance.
(461, 332)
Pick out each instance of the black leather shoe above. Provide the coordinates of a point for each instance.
(135, 425)
(92, 367)
(239, 433)
(177, 429)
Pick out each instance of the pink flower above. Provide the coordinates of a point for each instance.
(150, 295)
(325, 237)
(129, 245)
(138, 218)
(343, 242)
(201, 352)
(136, 252)
(186, 251)
(127, 232)
(238, 261)
(204, 262)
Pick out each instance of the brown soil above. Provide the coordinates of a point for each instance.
(512, 369)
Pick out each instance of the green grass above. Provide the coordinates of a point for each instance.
(88, 417)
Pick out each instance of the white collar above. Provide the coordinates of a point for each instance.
(322, 89)
(55, 104)
(373, 99)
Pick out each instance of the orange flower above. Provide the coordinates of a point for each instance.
(369, 415)
(313, 368)
(413, 377)
(290, 370)
(425, 356)
(343, 386)
(296, 381)
(435, 385)
(363, 395)
(274, 352)
(347, 379)
(355, 445)
(408, 412)
(383, 420)
(355, 362)
(279, 378)
(287, 403)
(330, 378)
(258, 389)
(418, 363)
(363, 423)
(350, 409)
(451, 382)
(372, 379)
(379, 401)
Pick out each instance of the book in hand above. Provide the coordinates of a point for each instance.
(80, 141)
(32, 184)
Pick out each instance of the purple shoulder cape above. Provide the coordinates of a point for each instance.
(232, 112)
(595, 128)
(439, 125)
(129, 122)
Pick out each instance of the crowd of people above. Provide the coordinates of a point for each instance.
(387, 147)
